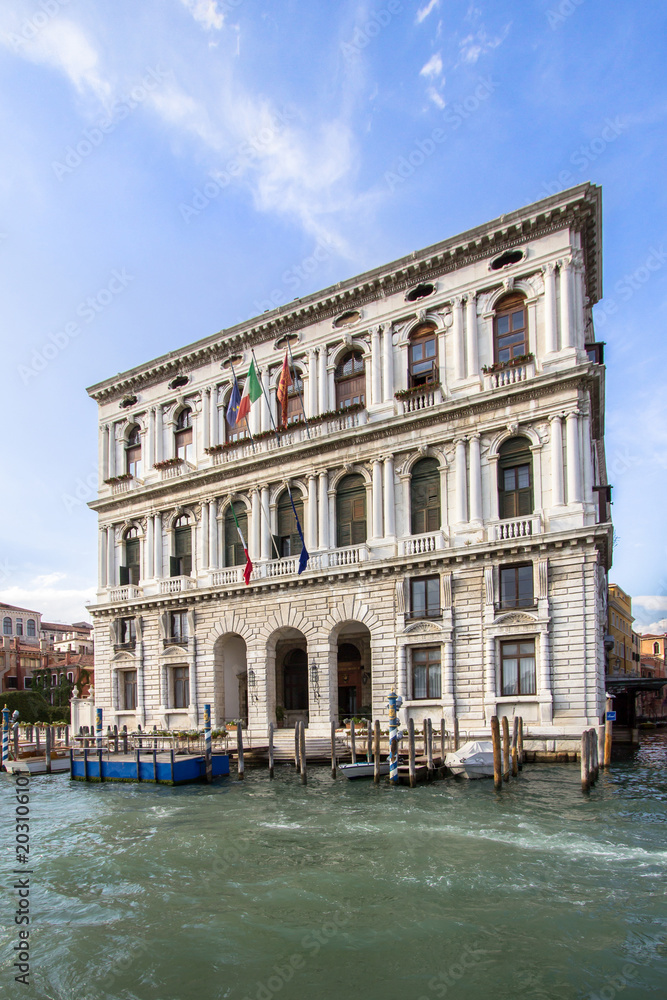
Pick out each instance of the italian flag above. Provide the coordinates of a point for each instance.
(248, 564)
(252, 390)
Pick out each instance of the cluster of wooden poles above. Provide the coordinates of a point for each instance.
(592, 749)
(508, 758)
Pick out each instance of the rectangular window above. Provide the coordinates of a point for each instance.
(181, 687)
(426, 673)
(19, 626)
(184, 445)
(178, 621)
(127, 631)
(425, 597)
(12, 683)
(27, 682)
(517, 668)
(516, 586)
(130, 690)
(180, 563)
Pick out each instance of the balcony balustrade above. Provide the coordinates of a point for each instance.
(176, 584)
(509, 375)
(245, 448)
(129, 593)
(515, 527)
(417, 544)
(421, 399)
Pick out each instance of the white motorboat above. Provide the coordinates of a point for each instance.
(363, 769)
(472, 760)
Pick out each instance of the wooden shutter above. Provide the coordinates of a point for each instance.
(124, 575)
(425, 496)
(173, 566)
(351, 511)
(515, 455)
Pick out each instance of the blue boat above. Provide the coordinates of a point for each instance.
(156, 767)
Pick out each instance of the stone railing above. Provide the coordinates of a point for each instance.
(124, 486)
(292, 435)
(129, 593)
(515, 527)
(345, 557)
(510, 375)
(176, 584)
(421, 400)
(416, 544)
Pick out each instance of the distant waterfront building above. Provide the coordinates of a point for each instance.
(450, 481)
(21, 623)
(625, 655)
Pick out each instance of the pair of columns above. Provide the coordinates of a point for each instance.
(575, 473)
(568, 310)
(468, 457)
(466, 338)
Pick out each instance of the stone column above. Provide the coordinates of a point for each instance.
(388, 363)
(578, 298)
(403, 672)
(213, 433)
(255, 533)
(159, 435)
(104, 448)
(586, 451)
(376, 366)
(159, 568)
(457, 329)
(471, 335)
(448, 672)
(389, 499)
(322, 382)
(265, 539)
(264, 418)
(111, 557)
(490, 678)
(206, 418)
(312, 382)
(550, 328)
(545, 664)
(312, 512)
(476, 513)
(406, 506)
(213, 533)
(557, 492)
(331, 387)
(324, 512)
(333, 528)
(149, 552)
(112, 451)
(376, 527)
(460, 482)
(566, 303)
(573, 458)
(203, 537)
(102, 558)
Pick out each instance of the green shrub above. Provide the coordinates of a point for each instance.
(31, 706)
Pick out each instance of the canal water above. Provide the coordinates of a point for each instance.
(263, 889)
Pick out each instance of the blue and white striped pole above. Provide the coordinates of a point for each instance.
(5, 736)
(98, 727)
(207, 742)
(395, 702)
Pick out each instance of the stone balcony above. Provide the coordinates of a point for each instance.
(510, 374)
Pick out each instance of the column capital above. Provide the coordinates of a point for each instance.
(548, 268)
(457, 300)
(565, 263)
(572, 413)
(556, 416)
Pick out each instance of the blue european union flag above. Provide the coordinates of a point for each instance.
(234, 403)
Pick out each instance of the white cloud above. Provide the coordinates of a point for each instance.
(424, 11)
(473, 46)
(206, 13)
(656, 602)
(56, 603)
(433, 67)
(437, 99)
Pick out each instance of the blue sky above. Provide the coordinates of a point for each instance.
(167, 167)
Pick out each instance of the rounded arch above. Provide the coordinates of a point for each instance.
(132, 428)
(174, 515)
(502, 437)
(351, 609)
(225, 502)
(351, 470)
(417, 456)
(285, 617)
(520, 287)
(425, 318)
(297, 367)
(354, 346)
(230, 677)
(229, 623)
(134, 526)
(182, 416)
(296, 486)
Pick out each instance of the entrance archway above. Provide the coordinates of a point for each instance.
(291, 673)
(230, 679)
(354, 674)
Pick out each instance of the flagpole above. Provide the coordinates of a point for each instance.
(247, 422)
(268, 404)
(296, 384)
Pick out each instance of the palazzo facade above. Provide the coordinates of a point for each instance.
(445, 453)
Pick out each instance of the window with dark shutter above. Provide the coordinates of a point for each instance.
(425, 496)
(133, 453)
(182, 559)
(184, 446)
(511, 332)
(133, 560)
(350, 379)
(515, 479)
(351, 511)
(288, 540)
(130, 690)
(181, 687)
(423, 356)
(234, 554)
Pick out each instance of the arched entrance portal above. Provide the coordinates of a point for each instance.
(291, 669)
(353, 655)
(231, 679)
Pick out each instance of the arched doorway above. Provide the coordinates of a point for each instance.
(291, 677)
(354, 674)
(230, 679)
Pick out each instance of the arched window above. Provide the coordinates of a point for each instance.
(350, 379)
(19, 626)
(510, 328)
(515, 479)
(423, 355)
(295, 681)
(234, 554)
(133, 453)
(288, 541)
(131, 571)
(656, 649)
(351, 511)
(31, 627)
(294, 398)
(239, 430)
(6, 626)
(184, 446)
(425, 496)
(180, 563)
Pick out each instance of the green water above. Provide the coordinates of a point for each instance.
(266, 889)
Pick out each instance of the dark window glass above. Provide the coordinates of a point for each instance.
(289, 542)
(127, 631)
(19, 626)
(181, 561)
(183, 437)
(425, 496)
(181, 687)
(178, 623)
(130, 690)
(351, 511)
(516, 586)
(426, 673)
(133, 453)
(295, 680)
(517, 665)
(425, 597)
(133, 560)
(6, 626)
(423, 355)
(511, 334)
(234, 554)
(350, 379)
(515, 487)
(31, 627)
(294, 399)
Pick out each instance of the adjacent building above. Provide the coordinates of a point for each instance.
(624, 654)
(443, 451)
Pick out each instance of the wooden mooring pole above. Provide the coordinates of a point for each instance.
(240, 764)
(333, 749)
(442, 741)
(600, 738)
(47, 749)
(411, 753)
(585, 762)
(369, 744)
(506, 749)
(595, 765)
(456, 733)
(270, 749)
(376, 770)
(515, 751)
(304, 761)
(429, 745)
(520, 743)
(497, 754)
(297, 747)
(353, 742)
